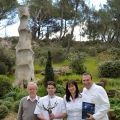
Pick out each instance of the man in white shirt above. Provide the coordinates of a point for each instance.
(50, 106)
(96, 95)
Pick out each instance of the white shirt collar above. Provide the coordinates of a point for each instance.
(36, 98)
(51, 96)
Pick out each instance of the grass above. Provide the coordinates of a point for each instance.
(91, 64)
(61, 64)
(70, 77)
(38, 67)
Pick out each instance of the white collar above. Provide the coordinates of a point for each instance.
(92, 86)
(51, 97)
(36, 98)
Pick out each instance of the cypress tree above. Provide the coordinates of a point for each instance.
(49, 73)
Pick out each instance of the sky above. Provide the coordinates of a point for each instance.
(12, 30)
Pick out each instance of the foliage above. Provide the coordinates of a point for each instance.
(60, 89)
(5, 7)
(92, 51)
(115, 53)
(11, 95)
(77, 64)
(8, 104)
(7, 57)
(1, 101)
(5, 86)
(21, 94)
(3, 111)
(49, 73)
(110, 69)
(115, 104)
(3, 68)
(41, 90)
(16, 106)
(10, 99)
(58, 54)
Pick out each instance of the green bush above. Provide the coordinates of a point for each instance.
(21, 94)
(16, 106)
(110, 69)
(117, 113)
(3, 111)
(92, 51)
(42, 60)
(76, 62)
(5, 86)
(7, 57)
(12, 94)
(8, 104)
(60, 89)
(115, 53)
(41, 90)
(60, 82)
(77, 66)
(1, 102)
(58, 55)
(3, 68)
(11, 99)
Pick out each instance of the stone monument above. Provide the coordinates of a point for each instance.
(24, 54)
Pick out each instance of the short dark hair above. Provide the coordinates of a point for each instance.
(68, 94)
(87, 74)
(51, 83)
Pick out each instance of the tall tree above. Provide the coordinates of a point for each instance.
(40, 10)
(49, 73)
(6, 6)
(7, 11)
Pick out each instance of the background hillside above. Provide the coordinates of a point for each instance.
(101, 59)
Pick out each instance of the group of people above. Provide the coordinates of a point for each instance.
(52, 107)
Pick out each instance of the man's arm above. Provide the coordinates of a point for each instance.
(20, 110)
(104, 104)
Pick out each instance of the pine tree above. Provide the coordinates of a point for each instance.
(49, 74)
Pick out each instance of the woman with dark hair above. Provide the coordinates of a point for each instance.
(73, 101)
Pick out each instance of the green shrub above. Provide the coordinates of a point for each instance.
(1, 102)
(117, 113)
(60, 82)
(8, 104)
(77, 66)
(11, 99)
(58, 55)
(110, 69)
(12, 94)
(92, 51)
(16, 106)
(3, 68)
(42, 60)
(5, 86)
(115, 53)
(42, 90)
(21, 94)
(76, 62)
(3, 111)
(60, 89)
(7, 57)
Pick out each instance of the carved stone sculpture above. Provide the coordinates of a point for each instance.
(24, 54)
